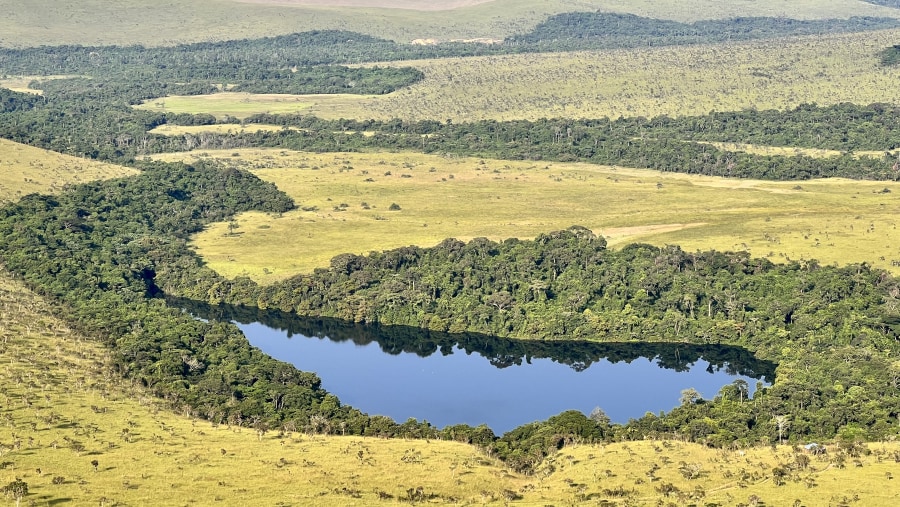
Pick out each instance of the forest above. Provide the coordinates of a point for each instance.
(107, 253)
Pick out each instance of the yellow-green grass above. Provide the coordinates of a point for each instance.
(241, 105)
(833, 221)
(93, 22)
(100, 22)
(25, 170)
(22, 83)
(792, 151)
(648, 82)
(64, 410)
(227, 128)
(784, 151)
(230, 128)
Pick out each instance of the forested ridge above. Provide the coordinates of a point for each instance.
(602, 30)
(87, 117)
(249, 60)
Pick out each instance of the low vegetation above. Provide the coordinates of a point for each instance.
(674, 81)
(242, 105)
(102, 22)
(349, 195)
(25, 170)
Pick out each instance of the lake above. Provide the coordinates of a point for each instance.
(449, 379)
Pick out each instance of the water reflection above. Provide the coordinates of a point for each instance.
(470, 378)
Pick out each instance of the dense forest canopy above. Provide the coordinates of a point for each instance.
(601, 30)
(107, 128)
(252, 60)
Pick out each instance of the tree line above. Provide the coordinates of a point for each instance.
(94, 118)
(262, 59)
(832, 330)
(500, 352)
(107, 251)
(603, 30)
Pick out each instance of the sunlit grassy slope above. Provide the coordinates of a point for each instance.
(345, 202)
(25, 170)
(647, 82)
(91, 22)
(242, 105)
(78, 436)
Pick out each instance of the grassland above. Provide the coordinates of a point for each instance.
(345, 202)
(25, 170)
(92, 22)
(77, 435)
(242, 105)
(790, 151)
(101, 22)
(648, 82)
(177, 130)
(21, 83)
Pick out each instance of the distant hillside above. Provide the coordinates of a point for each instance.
(894, 4)
(600, 30)
(103, 22)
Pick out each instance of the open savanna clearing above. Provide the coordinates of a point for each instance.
(75, 433)
(25, 170)
(221, 128)
(99, 22)
(241, 105)
(122, 22)
(345, 202)
(674, 81)
(21, 83)
(790, 151)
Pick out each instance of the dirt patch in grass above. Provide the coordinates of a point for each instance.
(616, 235)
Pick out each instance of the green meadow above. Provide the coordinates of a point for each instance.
(345, 202)
(99, 22)
(674, 81)
(25, 170)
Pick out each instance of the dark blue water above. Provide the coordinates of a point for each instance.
(461, 387)
(447, 379)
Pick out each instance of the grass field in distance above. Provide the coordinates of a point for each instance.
(347, 199)
(674, 81)
(102, 22)
(25, 170)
